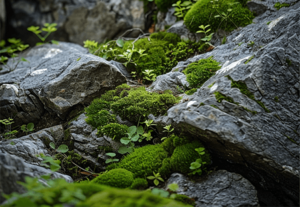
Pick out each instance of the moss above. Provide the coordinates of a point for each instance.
(244, 90)
(269, 22)
(253, 112)
(143, 161)
(279, 5)
(101, 118)
(165, 170)
(249, 59)
(139, 184)
(178, 141)
(201, 104)
(105, 148)
(163, 5)
(96, 106)
(114, 130)
(67, 135)
(191, 92)
(199, 72)
(119, 178)
(276, 99)
(288, 61)
(220, 97)
(184, 199)
(203, 13)
(168, 145)
(184, 155)
(214, 106)
(211, 85)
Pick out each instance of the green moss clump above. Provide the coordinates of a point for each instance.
(119, 178)
(276, 99)
(168, 145)
(101, 118)
(214, 106)
(166, 168)
(249, 59)
(184, 155)
(139, 103)
(139, 184)
(184, 199)
(191, 92)
(96, 106)
(244, 90)
(178, 141)
(279, 5)
(220, 97)
(203, 13)
(199, 72)
(114, 130)
(163, 5)
(143, 161)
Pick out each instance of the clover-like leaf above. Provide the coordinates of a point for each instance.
(62, 148)
(52, 145)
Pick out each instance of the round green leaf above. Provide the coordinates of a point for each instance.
(30, 126)
(62, 148)
(111, 154)
(52, 145)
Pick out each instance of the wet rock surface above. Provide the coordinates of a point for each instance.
(264, 56)
(54, 80)
(77, 20)
(220, 188)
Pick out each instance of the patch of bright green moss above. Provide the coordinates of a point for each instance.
(139, 184)
(220, 97)
(119, 178)
(244, 90)
(249, 59)
(279, 5)
(184, 199)
(199, 72)
(191, 92)
(203, 13)
(114, 130)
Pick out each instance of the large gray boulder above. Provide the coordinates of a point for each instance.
(77, 20)
(54, 80)
(263, 139)
(220, 188)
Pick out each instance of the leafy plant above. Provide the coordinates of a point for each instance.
(149, 75)
(279, 5)
(8, 134)
(205, 30)
(182, 8)
(168, 129)
(173, 187)
(48, 28)
(196, 166)
(112, 159)
(156, 178)
(160, 192)
(11, 51)
(251, 44)
(28, 128)
(133, 135)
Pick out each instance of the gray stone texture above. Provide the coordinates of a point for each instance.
(2, 19)
(269, 142)
(220, 188)
(165, 19)
(77, 20)
(55, 79)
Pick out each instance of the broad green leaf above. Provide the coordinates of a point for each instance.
(131, 130)
(135, 138)
(140, 130)
(125, 140)
(30, 127)
(62, 148)
(111, 154)
(156, 182)
(123, 150)
(151, 177)
(161, 179)
(120, 42)
(52, 145)
(173, 187)
(195, 165)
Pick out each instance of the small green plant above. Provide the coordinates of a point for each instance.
(48, 28)
(181, 8)
(240, 43)
(196, 166)
(168, 129)
(11, 51)
(205, 30)
(179, 89)
(276, 99)
(249, 59)
(279, 5)
(128, 54)
(149, 75)
(224, 40)
(8, 134)
(269, 22)
(112, 159)
(156, 178)
(133, 135)
(28, 128)
(173, 187)
(251, 44)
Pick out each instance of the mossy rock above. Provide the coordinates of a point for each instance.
(114, 130)
(101, 118)
(203, 13)
(119, 178)
(143, 161)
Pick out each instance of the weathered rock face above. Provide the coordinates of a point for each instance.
(55, 79)
(220, 188)
(77, 20)
(13, 169)
(266, 140)
(165, 19)
(2, 19)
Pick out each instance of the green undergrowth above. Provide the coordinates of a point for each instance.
(198, 73)
(279, 5)
(244, 90)
(159, 53)
(61, 193)
(132, 104)
(163, 5)
(221, 14)
(175, 154)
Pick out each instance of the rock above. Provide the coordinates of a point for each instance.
(121, 68)
(55, 80)
(180, 29)
(77, 20)
(88, 144)
(170, 81)
(28, 147)
(13, 169)
(266, 142)
(2, 19)
(257, 7)
(220, 188)
(165, 19)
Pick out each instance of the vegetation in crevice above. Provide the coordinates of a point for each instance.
(279, 5)
(249, 59)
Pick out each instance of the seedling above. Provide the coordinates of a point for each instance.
(112, 159)
(168, 129)
(156, 178)
(49, 28)
(28, 128)
(205, 30)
